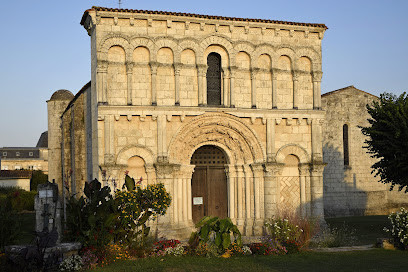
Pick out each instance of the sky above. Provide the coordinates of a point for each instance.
(43, 48)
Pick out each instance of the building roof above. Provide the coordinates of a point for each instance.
(346, 88)
(15, 174)
(78, 94)
(214, 17)
(43, 141)
(62, 95)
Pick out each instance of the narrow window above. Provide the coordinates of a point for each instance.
(346, 145)
(5, 154)
(214, 79)
(30, 154)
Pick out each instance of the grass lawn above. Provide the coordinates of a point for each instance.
(367, 228)
(372, 260)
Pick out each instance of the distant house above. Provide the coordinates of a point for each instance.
(27, 158)
(16, 178)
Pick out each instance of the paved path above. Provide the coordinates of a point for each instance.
(341, 249)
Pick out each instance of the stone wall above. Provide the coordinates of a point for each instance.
(351, 189)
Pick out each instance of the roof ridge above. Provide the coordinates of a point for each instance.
(96, 8)
(344, 88)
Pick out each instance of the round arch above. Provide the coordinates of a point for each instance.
(292, 149)
(239, 142)
(129, 151)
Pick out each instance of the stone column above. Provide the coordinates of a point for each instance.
(161, 137)
(295, 78)
(200, 72)
(272, 189)
(270, 139)
(259, 197)
(317, 78)
(108, 139)
(317, 140)
(151, 174)
(226, 79)
(153, 68)
(101, 71)
(177, 68)
(254, 71)
(232, 79)
(316, 188)
(303, 173)
(274, 88)
(231, 181)
(240, 198)
(129, 72)
(249, 202)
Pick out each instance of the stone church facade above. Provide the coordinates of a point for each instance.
(226, 112)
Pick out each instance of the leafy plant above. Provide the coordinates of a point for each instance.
(38, 177)
(137, 206)
(399, 228)
(9, 224)
(91, 219)
(387, 139)
(218, 232)
(335, 237)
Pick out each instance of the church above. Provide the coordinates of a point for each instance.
(225, 112)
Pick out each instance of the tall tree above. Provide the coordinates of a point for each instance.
(388, 139)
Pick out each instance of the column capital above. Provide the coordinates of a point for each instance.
(317, 169)
(129, 67)
(317, 76)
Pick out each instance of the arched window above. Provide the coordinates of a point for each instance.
(214, 79)
(346, 145)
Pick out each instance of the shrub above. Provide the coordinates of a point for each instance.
(9, 224)
(217, 232)
(291, 231)
(399, 228)
(270, 247)
(91, 219)
(175, 251)
(335, 237)
(38, 177)
(137, 206)
(72, 263)
(20, 199)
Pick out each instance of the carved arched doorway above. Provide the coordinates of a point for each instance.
(209, 183)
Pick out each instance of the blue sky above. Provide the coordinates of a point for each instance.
(43, 48)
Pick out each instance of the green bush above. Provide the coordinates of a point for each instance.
(399, 228)
(213, 231)
(335, 237)
(91, 219)
(38, 177)
(137, 206)
(20, 199)
(9, 224)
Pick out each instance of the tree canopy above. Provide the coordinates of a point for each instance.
(388, 139)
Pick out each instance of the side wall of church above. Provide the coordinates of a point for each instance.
(351, 189)
(75, 143)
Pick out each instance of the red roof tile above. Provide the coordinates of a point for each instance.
(201, 16)
(16, 173)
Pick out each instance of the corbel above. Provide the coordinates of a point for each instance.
(129, 117)
(253, 118)
(289, 121)
(187, 24)
(202, 26)
(278, 121)
(142, 118)
(149, 22)
(117, 116)
(115, 20)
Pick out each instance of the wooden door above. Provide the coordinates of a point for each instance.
(209, 183)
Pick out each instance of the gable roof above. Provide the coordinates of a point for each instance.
(346, 88)
(193, 15)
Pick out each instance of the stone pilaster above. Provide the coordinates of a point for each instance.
(317, 78)
(295, 90)
(129, 73)
(274, 88)
(254, 72)
(177, 68)
(153, 70)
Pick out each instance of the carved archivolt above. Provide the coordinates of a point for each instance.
(238, 141)
(135, 150)
(292, 149)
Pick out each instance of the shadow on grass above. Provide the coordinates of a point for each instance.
(372, 260)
